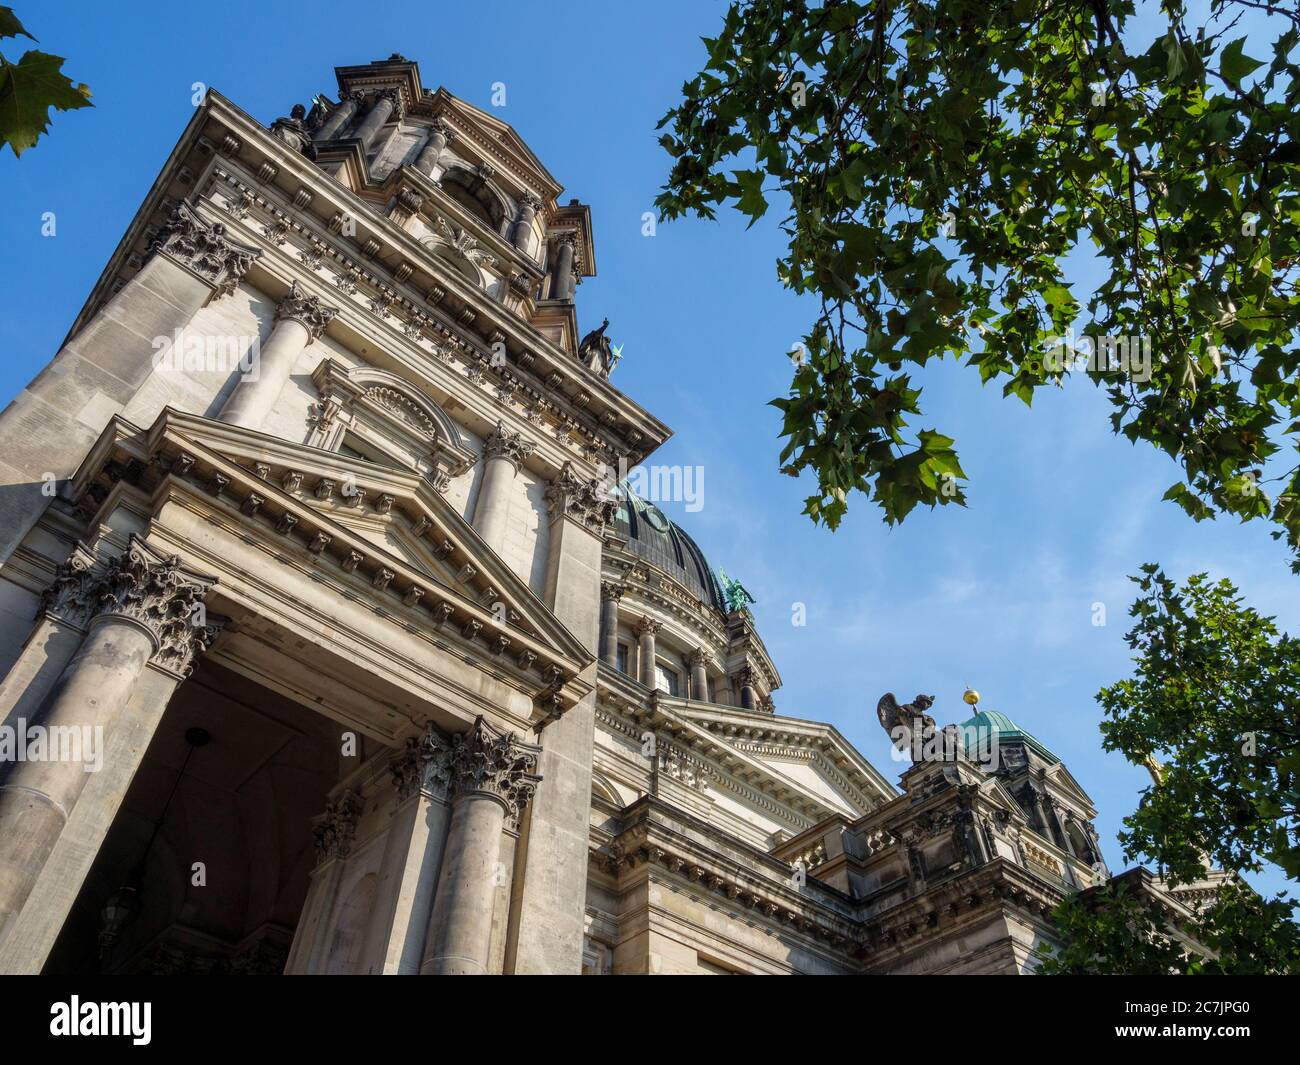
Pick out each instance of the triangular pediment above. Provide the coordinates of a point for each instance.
(386, 524)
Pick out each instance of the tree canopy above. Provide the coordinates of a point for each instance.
(940, 160)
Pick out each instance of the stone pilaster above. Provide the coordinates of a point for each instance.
(493, 776)
(141, 609)
(610, 594)
(300, 319)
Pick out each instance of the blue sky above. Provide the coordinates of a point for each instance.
(999, 595)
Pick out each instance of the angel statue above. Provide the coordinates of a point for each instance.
(909, 726)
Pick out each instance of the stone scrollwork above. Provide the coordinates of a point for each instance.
(155, 591)
(504, 444)
(204, 249)
(312, 313)
(586, 502)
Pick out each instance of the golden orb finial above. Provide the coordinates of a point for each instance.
(971, 696)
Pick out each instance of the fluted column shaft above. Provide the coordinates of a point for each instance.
(376, 118)
(139, 607)
(300, 319)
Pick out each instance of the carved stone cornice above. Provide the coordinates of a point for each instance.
(334, 830)
(154, 591)
(488, 761)
(585, 502)
(204, 249)
(309, 311)
(504, 444)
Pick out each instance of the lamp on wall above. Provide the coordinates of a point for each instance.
(123, 906)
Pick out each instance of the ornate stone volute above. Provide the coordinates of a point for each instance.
(204, 249)
(154, 591)
(586, 502)
(488, 761)
(334, 830)
(309, 311)
(504, 444)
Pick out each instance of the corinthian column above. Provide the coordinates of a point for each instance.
(646, 630)
(610, 594)
(338, 119)
(503, 453)
(522, 234)
(440, 135)
(562, 279)
(299, 320)
(376, 117)
(699, 660)
(493, 777)
(141, 609)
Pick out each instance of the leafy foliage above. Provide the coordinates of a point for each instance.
(1214, 710)
(1216, 697)
(1112, 931)
(941, 159)
(29, 88)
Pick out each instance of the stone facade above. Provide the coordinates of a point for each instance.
(307, 532)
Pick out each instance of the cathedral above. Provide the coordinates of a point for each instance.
(331, 642)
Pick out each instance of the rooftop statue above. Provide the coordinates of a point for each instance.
(596, 352)
(909, 726)
(734, 594)
(294, 131)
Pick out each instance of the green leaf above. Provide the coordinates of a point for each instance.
(751, 202)
(10, 26)
(1234, 65)
(28, 89)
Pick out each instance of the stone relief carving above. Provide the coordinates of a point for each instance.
(204, 249)
(586, 502)
(334, 830)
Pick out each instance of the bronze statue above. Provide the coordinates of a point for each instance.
(908, 726)
(295, 132)
(597, 353)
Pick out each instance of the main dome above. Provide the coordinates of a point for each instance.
(653, 537)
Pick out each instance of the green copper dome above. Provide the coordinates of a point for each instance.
(1002, 728)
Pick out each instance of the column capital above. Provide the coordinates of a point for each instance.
(648, 626)
(504, 444)
(309, 311)
(610, 591)
(154, 591)
(489, 761)
(585, 502)
(424, 765)
(529, 202)
(334, 830)
(204, 249)
(700, 656)
(442, 128)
